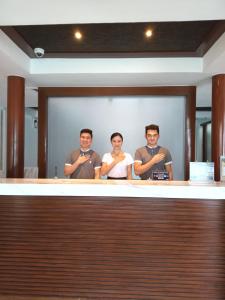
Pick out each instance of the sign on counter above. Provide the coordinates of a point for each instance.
(201, 171)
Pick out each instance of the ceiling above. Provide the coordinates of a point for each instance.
(169, 39)
(182, 32)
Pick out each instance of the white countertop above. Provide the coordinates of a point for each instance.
(112, 188)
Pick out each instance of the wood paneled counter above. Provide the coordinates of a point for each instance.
(76, 239)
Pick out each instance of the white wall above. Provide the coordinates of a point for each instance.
(105, 115)
(102, 11)
(204, 93)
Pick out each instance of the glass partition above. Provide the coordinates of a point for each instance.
(203, 135)
(31, 142)
(105, 115)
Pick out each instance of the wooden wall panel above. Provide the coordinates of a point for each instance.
(111, 248)
(15, 127)
(218, 122)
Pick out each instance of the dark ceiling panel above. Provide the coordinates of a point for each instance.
(119, 39)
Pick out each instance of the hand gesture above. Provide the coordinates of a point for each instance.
(82, 159)
(158, 157)
(119, 158)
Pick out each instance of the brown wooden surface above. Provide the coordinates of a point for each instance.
(217, 31)
(44, 92)
(204, 143)
(190, 130)
(111, 248)
(15, 127)
(218, 122)
(42, 134)
(191, 39)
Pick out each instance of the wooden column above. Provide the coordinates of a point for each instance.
(15, 127)
(42, 133)
(218, 121)
(190, 130)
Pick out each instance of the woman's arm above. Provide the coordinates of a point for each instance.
(129, 172)
(107, 167)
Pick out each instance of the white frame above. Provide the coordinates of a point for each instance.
(222, 168)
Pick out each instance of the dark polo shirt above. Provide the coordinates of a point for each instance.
(144, 154)
(87, 169)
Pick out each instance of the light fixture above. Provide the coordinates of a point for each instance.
(78, 35)
(148, 33)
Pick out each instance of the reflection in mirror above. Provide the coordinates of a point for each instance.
(203, 134)
(31, 145)
(31, 142)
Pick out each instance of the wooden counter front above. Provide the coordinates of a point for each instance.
(104, 247)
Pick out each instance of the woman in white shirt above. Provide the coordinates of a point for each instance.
(117, 164)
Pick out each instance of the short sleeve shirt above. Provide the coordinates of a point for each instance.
(144, 154)
(120, 169)
(87, 169)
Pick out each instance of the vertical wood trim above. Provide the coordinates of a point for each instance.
(218, 122)
(42, 133)
(44, 92)
(190, 130)
(15, 127)
(204, 142)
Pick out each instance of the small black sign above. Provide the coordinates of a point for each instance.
(160, 175)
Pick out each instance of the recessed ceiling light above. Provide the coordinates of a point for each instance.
(78, 35)
(148, 33)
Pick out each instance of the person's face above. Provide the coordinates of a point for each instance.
(85, 140)
(152, 137)
(117, 142)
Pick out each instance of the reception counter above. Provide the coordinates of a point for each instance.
(113, 188)
(98, 239)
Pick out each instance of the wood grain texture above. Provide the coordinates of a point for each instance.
(15, 126)
(170, 39)
(190, 130)
(42, 134)
(218, 122)
(111, 248)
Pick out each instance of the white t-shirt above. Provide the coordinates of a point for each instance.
(120, 169)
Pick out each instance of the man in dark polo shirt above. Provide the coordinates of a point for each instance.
(83, 163)
(152, 157)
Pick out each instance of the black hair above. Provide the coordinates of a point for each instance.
(116, 134)
(86, 130)
(151, 127)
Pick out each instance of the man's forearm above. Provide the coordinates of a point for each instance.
(169, 169)
(69, 169)
(140, 169)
